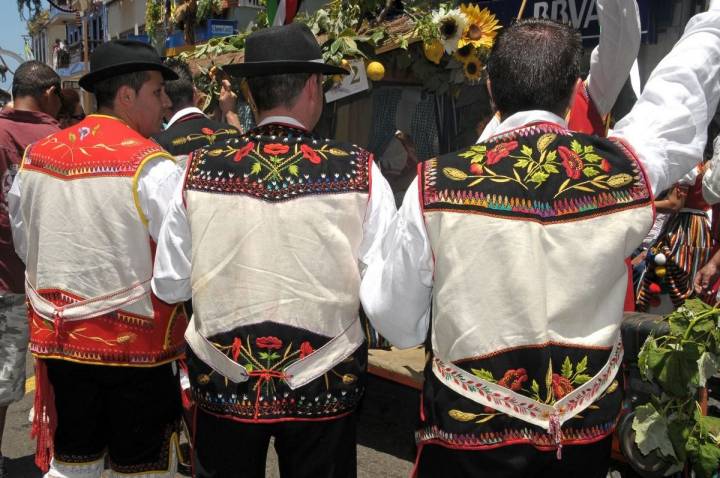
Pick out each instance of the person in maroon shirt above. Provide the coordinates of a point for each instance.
(36, 103)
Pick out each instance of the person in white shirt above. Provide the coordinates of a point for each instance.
(269, 235)
(516, 249)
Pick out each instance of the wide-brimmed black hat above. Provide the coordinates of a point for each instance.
(118, 57)
(284, 49)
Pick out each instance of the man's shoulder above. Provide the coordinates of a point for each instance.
(187, 136)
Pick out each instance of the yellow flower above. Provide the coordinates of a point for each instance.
(434, 51)
(481, 29)
(473, 69)
(464, 54)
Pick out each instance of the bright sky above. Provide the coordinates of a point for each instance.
(12, 28)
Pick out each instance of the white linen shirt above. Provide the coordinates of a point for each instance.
(171, 278)
(667, 129)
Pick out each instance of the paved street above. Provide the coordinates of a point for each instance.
(385, 443)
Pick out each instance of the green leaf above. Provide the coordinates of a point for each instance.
(582, 365)
(567, 368)
(521, 163)
(256, 168)
(535, 387)
(483, 374)
(539, 177)
(274, 356)
(588, 149)
(592, 157)
(263, 355)
(651, 431)
(706, 463)
(589, 172)
(581, 378)
(527, 150)
(679, 432)
(550, 168)
(293, 169)
(708, 424)
(249, 367)
(479, 149)
(707, 367)
(551, 156)
(576, 146)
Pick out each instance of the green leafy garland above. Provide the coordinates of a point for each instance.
(671, 425)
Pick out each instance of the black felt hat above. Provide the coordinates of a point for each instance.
(118, 57)
(284, 49)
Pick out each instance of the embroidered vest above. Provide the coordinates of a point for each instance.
(529, 233)
(192, 132)
(277, 219)
(90, 256)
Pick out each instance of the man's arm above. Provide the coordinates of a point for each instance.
(397, 287)
(156, 186)
(667, 127)
(171, 276)
(711, 178)
(16, 221)
(378, 217)
(616, 52)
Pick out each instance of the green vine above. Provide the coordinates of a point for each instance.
(680, 363)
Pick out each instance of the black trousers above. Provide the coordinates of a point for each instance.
(224, 448)
(129, 412)
(516, 461)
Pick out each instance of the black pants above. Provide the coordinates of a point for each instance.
(225, 448)
(516, 461)
(130, 412)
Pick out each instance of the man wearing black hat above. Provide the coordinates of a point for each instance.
(278, 223)
(86, 208)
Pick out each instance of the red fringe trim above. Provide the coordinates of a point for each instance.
(45, 418)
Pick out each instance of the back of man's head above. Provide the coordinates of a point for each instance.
(181, 91)
(534, 65)
(33, 78)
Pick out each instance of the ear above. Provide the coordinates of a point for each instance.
(125, 96)
(488, 84)
(196, 96)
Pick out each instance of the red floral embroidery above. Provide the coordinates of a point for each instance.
(207, 131)
(276, 149)
(236, 347)
(605, 165)
(476, 168)
(310, 154)
(561, 386)
(500, 151)
(244, 151)
(571, 162)
(513, 379)
(272, 343)
(305, 349)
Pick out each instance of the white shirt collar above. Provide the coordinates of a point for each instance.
(183, 112)
(521, 118)
(288, 120)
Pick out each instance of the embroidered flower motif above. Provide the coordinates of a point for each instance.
(305, 349)
(561, 386)
(207, 131)
(513, 379)
(271, 343)
(84, 131)
(476, 168)
(276, 149)
(244, 151)
(571, 162)
(236, 347)
(605, 165)
(500, 151)
(310, 154)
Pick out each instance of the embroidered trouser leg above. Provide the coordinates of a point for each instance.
(224, 448)
(516, 461)
(131, 413)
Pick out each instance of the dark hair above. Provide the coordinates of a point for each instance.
(70, 99)
(106, 90)
(32, 78)
(534, 65)
(272, 91)
(180, 91)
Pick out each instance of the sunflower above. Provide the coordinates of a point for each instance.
(473, 69)
(465, 53)
(481, 29)
(451, 24)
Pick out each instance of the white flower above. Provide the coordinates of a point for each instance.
(451, 24)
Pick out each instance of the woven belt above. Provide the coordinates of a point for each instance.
(297, 374)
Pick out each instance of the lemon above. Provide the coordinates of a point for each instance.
(337, 79)
(375, 71)
(434, 51)
(345, 64)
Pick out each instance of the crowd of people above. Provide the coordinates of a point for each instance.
(164, 266)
